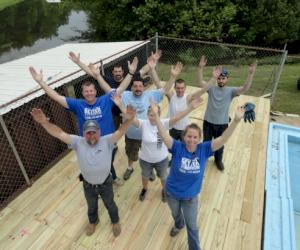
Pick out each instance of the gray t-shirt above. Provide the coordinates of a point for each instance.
(219, 99)
(94, 161)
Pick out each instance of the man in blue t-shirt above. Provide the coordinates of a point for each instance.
(91, 107)
(216, 116)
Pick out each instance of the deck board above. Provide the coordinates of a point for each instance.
(51, 214)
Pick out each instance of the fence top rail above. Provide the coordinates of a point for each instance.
(37, 91)
(226, 44)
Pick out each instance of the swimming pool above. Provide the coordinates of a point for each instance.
(282, 201)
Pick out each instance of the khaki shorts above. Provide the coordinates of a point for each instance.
(132, 147)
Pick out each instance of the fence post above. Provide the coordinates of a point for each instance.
(156, 41)
(102, 68)
(12, 145)
(277, 77)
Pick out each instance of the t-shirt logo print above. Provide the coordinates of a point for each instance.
(159, 140)
(191, 166)
(92, 114)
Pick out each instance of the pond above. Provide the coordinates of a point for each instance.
(33, 26)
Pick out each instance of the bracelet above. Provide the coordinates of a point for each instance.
(130, 73)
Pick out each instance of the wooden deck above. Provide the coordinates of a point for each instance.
(52, 213)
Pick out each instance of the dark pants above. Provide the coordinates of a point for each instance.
(211, 131)
(105, 190)
(112, 168)
(176, 134)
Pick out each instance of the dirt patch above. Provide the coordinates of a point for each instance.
(292, 120)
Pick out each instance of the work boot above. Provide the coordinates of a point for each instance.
(143, 194)
(127, 174)
(116, 228)
(220, 165)
(91, 227)
(118, 182)
(163, 196)
(174, 231)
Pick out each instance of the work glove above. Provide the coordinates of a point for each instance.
(249, 112)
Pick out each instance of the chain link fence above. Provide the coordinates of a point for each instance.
(27, 151)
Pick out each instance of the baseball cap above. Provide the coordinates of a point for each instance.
(90, 125)
(224, 73)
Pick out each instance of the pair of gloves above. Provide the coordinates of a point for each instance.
(249, 112)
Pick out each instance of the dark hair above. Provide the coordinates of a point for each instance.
(87, 84)
(192, 126)
(179, 81)
(118, 66)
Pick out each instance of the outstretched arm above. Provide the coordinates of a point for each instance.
(152, 64)
(129, 117)
(38, 77)
(201, 65)
(175, 71)
(39, 116)
(249, 79)
(221, 140)
(168, 140)
(131, 68)
(192, 105)
(146, 68)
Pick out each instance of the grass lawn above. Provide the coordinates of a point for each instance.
(6, 3)
(287, 98)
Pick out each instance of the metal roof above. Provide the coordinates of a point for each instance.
(16, 83)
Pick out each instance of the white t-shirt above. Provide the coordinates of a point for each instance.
(153, 148)
(178, 104)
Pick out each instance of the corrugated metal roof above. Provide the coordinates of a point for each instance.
(16, 83)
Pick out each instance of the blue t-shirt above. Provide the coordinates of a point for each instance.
(99, 111)
(141, 104)
(186, 174)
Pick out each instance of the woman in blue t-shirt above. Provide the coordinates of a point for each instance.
(186, 174)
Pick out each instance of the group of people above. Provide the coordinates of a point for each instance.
(128, 109)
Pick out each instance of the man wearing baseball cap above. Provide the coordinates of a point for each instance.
(94, 153)
(216, 116)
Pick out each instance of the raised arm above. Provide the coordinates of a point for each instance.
(152, 64)
(39, 116)
(38, 77)
(191, 106)
(131, 68)
(146, 68)
(168, 140)
(129, 117)
(201, 65)
(221, 140)
(249, 79)
(118, 102)
(175, 71)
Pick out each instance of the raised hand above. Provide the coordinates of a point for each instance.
(130, 113)
(38, 77)
(156, 56)
(175, 71)
(217, 72)
(132, 66)
(202, 62)
(252, 67)
(94, 70)
(116, 99)
(239, 113)
(154, 108)
(74, 58)
(249, 112)
(39, 116)
(151, 62)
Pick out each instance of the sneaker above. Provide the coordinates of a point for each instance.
(127, 174)
(143, 194)
(91, 228)
(163, 196)
(116, 228)
(220, 165)
(118, 182)
(152, 177)
(174, 231)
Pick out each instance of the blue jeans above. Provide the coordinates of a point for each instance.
(105, 190)
(185, 212)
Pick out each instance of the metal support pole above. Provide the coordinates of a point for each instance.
(12, 145)
(277, 77)
(156, 41)
(102, 68)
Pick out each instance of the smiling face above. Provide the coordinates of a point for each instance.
(92, 137)
(118, 73)
(151, 115)
(89, 92)
(179, 88)
(192, 137)
(137, 88)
